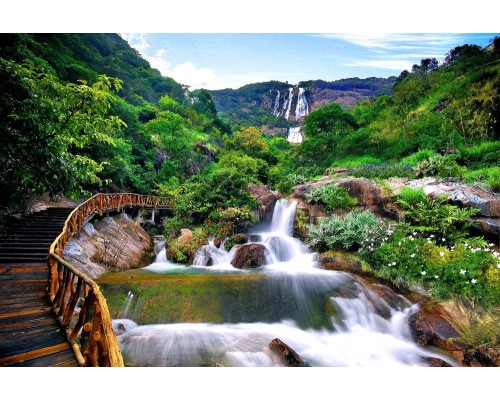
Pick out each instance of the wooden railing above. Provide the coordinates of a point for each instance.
(80, 306)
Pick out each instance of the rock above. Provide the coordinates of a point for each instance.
(265, 197)
(112, 243)
(436, 362)
(89, 229)
(430, 327)
(482, 357)
(461, 195)
(239, 238)
(337, 260)
(285, 354)
(487, 227)
(251, 255)
(185, 237)
(300, 191)
(202, 148)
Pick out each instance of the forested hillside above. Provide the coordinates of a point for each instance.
(85, 112)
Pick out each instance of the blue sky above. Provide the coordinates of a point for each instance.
(217, 61)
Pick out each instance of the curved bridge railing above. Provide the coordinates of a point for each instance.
(77, 301)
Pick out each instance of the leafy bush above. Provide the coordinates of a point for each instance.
(356, 161)
(411, 261)
(382, 171)
(333, 197)
(416, 158)
(222, 223)
(432, 215)
(348, 233)
(482, 155)
(489, 177)
(441, 166)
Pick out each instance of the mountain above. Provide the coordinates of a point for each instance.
(276, 106)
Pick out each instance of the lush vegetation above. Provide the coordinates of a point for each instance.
(83, 113)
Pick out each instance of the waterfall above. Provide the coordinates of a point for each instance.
(276, 104)
(126, 304)
(329, 318)
(302, 108)
(289, 104)
(294, 135)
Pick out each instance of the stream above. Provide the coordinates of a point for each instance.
(177, 315)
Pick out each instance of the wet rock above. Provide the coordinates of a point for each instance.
(436, 362)
(265, 197)
(239, 238)
(285, 354)
(251, 255)
(482, 357)
(431, 327)
(337, 260)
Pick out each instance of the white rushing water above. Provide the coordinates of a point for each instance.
(294, 135)
(302, 108)
(276, 104)
(364, 328)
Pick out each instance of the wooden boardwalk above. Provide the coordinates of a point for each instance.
(29, 332)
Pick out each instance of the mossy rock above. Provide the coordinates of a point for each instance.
(339, 260)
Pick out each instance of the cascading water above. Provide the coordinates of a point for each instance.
(294, 135)
(302, 108)
(329, 318)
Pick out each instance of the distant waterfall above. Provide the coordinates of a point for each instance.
(302, 108)
(284, 102)
(289, 104)
(294, 135)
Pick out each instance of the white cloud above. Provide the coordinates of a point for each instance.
(189, 74)
(396, 65)
(395, 41)
(138, 41)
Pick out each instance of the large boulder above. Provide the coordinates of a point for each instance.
(239, 238)
(285, 354)
(251, 255)
(265, 197)
(110, 244)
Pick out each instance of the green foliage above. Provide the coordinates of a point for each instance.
(333, 197)
(483, 155)
(412, 260)
(382, 171)
(416, 158)
(432, 215)
(347, 233)
(441, 166)
(476, 327)
(47, 128)
(227, 222)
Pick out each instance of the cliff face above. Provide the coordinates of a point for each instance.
(275, 106)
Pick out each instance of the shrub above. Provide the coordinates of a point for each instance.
(416, 158)
(489, 177)
(411, 261)
(226, 222)
(441, 166)
(333, 197)
(432, 215)
(483, 155)
(382, 171)
(348, 233)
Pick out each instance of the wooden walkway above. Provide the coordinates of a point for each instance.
(29, 332)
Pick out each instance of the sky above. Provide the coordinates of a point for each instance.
(231, 60)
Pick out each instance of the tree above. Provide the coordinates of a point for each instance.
(47, 126)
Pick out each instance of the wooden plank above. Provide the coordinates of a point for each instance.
(25, 282)
(31, 341)
(23, 270)
(22, 318)
(25, 312)
(65, 358)
(13, 308)
(29, 355)
(26, 324)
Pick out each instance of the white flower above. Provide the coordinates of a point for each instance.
(414, 233)
(413, 255)
(441, 253)
(463, 271)
(431, 236)
(443, 239)
(492, 244)
(399, 243)
(473, 280)
(423, 272)
(498, 265)
(394, 263)
(411, 238)
(436, 276)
